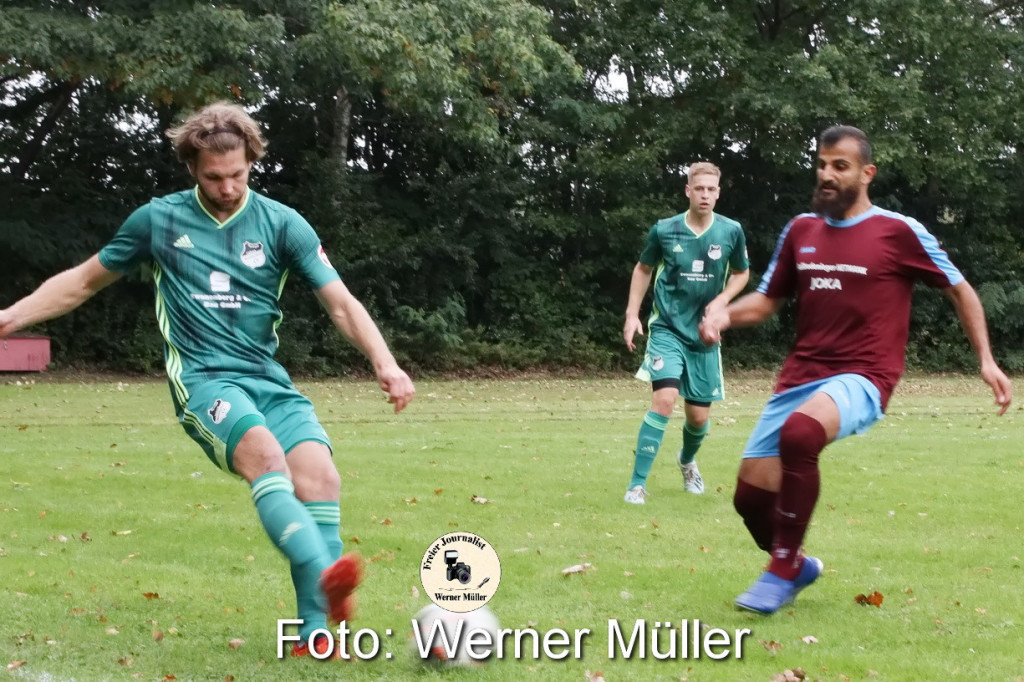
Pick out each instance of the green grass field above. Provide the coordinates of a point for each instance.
(127, 555)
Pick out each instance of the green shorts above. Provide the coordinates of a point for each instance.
(699, 373)
(219, 413)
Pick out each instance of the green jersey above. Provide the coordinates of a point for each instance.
(218, 284)
(691, 270)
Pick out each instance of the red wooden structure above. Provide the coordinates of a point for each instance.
(24, 354)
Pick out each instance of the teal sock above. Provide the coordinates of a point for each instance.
(328, 520)
(648, 441)
(692, 438)
(293, 531)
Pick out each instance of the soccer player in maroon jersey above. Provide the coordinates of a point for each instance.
(851, 267)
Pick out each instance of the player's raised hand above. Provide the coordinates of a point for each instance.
(1002, 389)
(630, 329)
(397, 385)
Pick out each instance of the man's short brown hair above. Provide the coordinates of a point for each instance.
(219, 127)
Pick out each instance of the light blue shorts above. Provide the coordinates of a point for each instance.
(858, 400)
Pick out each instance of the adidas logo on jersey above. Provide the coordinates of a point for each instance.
(677, 249)
(183, 242)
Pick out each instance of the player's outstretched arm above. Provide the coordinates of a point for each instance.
(972, 318)
(638, 285)
(746, 311)
(56, 296)
(356, 325)
(733, 288)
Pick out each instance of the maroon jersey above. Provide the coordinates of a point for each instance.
(853, 281)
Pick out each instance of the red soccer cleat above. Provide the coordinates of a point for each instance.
(339, 581)
(320, 645)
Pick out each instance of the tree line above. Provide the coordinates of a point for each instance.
(483, 172)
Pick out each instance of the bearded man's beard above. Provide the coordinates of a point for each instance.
(836, 205)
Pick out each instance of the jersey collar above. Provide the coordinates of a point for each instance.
(221, 225)
(850, 222)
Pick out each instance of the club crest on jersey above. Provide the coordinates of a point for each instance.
(253, 254)
(219, 410)
(715, 251)
(323, 256)
(657, 363)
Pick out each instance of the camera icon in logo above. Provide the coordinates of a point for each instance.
(456, 570)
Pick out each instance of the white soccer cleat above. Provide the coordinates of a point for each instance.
(692, 482)
(636, 495)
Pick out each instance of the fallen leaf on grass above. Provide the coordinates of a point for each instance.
(773, 647)
(596, 676)
(439, 491)
(794, 675)
(14, 665)
(84, 537)
(120, 532)
(126, 661)
(479, 500)
(809, 639)
(151, 595)
(158, 635)
(874, 599)
(578, 568)
(236, 642)
(385, 521)
(411, 500)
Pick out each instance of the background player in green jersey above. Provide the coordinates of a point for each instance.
(219, 255)
(701, 262)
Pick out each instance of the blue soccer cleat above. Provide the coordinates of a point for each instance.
(809, 572)
(770, 593)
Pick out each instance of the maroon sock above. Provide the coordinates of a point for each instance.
(756, 506)
(801, 440)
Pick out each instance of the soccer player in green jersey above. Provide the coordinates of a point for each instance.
(219, 255)
(701, 261)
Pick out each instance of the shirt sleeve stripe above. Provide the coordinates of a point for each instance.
(931, 247)
(762, 288)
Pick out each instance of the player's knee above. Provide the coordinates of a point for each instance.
(316, 480)
(663, 405)
(801, 439)
(698, 425)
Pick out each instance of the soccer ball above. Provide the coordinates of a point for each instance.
(441, 637)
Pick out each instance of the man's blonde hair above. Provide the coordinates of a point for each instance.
(702, 168)
(219, 127)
